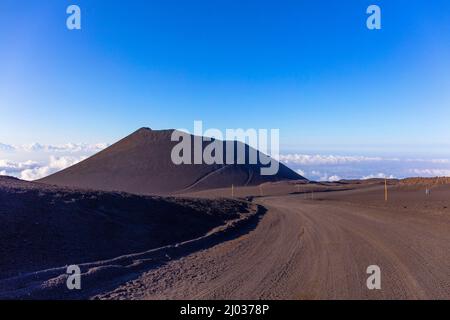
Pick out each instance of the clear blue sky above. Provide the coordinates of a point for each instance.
(310, 68)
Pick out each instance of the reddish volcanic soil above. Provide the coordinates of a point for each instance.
(315, 241)
(318, 247)
(46, 226)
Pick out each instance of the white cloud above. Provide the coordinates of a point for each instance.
(431, 172)
(18, 169)
(305, 159)
(435, 161)
(334, 178)
(11, 166)
(50, 158)
(321, 176)
(60, 163)
(68, 147)
(31, 170)
(308, 159)
(6, 147)
(34, 174)
(378, 176)
(337, 167)
(440, 161)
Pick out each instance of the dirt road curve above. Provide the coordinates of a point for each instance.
(311, 250)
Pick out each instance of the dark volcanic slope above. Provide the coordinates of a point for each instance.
(141, 163)
(47, 226)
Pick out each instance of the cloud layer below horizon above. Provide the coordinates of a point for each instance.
(35, 161)
(321, 167)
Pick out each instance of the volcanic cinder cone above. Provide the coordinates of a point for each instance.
(141, 163)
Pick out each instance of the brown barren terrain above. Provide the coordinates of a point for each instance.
(315, 241)
(45, 227)
(319, 249)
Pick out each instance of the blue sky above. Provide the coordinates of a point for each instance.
(310, 68)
